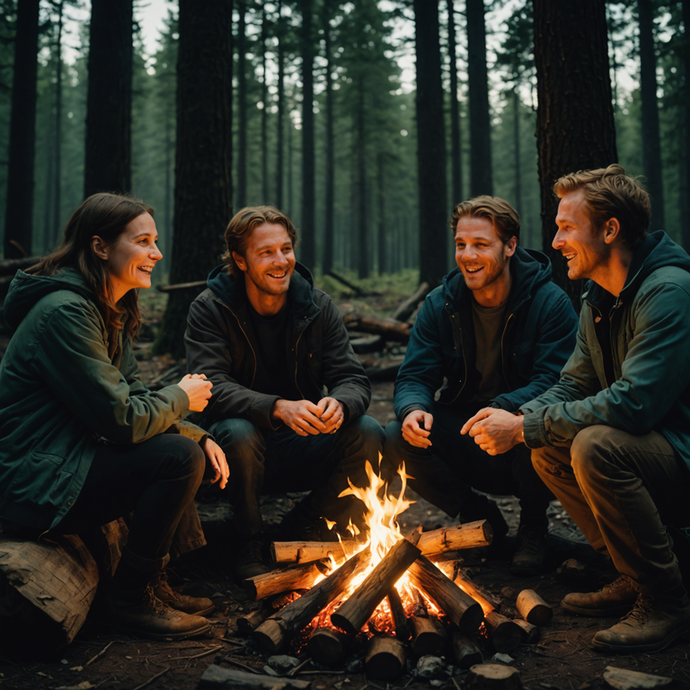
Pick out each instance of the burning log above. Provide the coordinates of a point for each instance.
(467, 585)
(429, 636)
(530, 633)
(305, 551)
(467, 536)
(400, 620)
(328, 646)
(460, 608)
(277, 581)
(357, 610)
(216, 677)
(385, 658)
(272, 635)
(504, 634)
(533, 608)
(465, 651)
(493, 677)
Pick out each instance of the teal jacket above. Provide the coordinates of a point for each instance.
(61, 395)
(648, 383)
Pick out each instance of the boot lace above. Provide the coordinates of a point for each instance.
(641, 612)
(620, 583)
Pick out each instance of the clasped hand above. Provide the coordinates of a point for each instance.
(198, 390)
(494, 431)
(305, 418)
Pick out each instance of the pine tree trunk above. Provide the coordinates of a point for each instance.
(264, 110)
(328, 249)
(308, 230)
(516, 150)
(203, 188)
(362, 210)
(107, 165)
(478, 83)
(456, 150)
(20, 169)
(280, 115)
(575, 126)
(651, 141)
(58, 128)
(241, 105)
(685, 126)
(431, 146)
(381, 254)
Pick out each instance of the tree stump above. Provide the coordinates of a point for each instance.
(493, 677)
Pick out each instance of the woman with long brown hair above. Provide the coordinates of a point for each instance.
(82, 440)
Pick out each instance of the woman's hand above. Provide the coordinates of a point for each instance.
(198, 390)
(216, 457)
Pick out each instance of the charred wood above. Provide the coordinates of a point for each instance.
(505, 635)
(385, 658)
(328, 646)
(465, 651)
(400, 619)
(429, 636)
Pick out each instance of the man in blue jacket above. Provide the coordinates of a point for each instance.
(495, 334)
(289, 394)
(612, 437)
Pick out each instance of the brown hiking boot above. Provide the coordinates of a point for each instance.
(197, 606)
(143, 614)
(652, 625)
(615, 599)
(531, 552)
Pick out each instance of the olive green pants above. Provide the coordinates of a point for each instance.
(622, 490)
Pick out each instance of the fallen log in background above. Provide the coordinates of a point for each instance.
(216, 677)
(387, 328)
(277, 581)
(357, 610)
(385, 658)
(407, 307)
(459, 607)
(533, 608)
(273, 634)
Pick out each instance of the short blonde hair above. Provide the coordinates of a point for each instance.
(501, 214)
(610, 193)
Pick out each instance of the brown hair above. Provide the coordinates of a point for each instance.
(105, 215)
(241, 227)
(501, 214)
(610, 193)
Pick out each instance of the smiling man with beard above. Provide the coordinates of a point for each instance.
(612, 437)
(495, 334)
(289, 393)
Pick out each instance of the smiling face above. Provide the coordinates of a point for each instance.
(483, 259)
(268, 264)
(131, 258)
(580, 243)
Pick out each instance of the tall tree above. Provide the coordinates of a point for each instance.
(431, 145)
(651, 139)
(58, 121)
(107, 165)
(575, 126)
(280, 112)
(329, 220)
(264, 105)
(203, 188)
(307, 220)
(685, 157)
(241, 103)
(478, 83)
(20, 169)
(455, 132)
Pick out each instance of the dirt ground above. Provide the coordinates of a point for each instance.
(561, 660)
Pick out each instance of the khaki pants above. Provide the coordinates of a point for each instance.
(621, 490)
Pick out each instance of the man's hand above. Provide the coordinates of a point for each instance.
(333, 414)
(495, 431)
(216, 457)
(416, 428)
(302, 416)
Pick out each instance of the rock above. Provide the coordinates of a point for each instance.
(432, 667)
(282, 663)
(623, 679)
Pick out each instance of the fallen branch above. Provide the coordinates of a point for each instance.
(151, 679)
(95, 657)
(406, 308)
(387, 328)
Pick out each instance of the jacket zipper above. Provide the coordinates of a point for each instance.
(249, 342)
(464, 360)
(503, 361)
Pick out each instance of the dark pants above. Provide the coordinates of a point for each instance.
(155, 481)
(446, 473)
(621, 490)
(263, 461)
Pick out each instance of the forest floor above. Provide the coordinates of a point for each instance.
(562, 659)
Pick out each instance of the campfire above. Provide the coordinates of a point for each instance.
(392, 591)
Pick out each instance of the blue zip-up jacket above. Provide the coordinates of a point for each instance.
(221, 342)
(537, 338)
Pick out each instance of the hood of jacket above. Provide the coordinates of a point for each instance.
(232, 290)
(657, 250)
(26, 290)
(529, 269)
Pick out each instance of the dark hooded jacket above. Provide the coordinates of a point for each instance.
(647, 386)
(221, 342)
(61, 395)
(537, 338)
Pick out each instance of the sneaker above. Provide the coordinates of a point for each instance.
(615, 599)
(479, 507)
(197, 606)
(141, 613)
(531, 552)
(652, 625)
(249, 561)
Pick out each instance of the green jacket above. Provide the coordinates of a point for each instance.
(648, 383)
(61, 395)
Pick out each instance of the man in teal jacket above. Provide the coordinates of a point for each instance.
(612, 437)
(497, 333)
